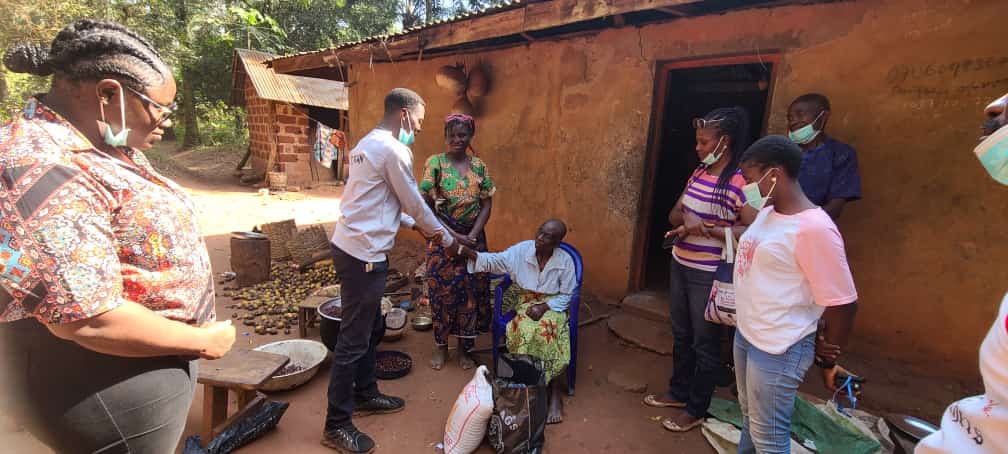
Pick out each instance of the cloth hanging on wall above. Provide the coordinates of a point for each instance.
(328, 143)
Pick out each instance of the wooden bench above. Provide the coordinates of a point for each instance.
(241, 371)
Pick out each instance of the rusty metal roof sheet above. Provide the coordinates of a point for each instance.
(309, 91)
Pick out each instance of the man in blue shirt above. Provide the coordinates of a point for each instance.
(829, 171)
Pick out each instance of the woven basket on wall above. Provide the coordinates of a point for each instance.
(280, 233)
(307, 242)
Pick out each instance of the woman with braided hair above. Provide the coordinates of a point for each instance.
(106, 291)
(712, 200)
(457, 186)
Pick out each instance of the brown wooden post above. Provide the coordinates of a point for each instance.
(250, 260)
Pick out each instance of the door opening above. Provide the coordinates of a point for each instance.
(687, 93)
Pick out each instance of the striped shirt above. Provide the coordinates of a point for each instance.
(715, 211)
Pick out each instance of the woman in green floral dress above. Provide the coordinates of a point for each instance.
(458, 188)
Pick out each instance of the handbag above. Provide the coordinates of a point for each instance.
(518, 423)
(721, 303)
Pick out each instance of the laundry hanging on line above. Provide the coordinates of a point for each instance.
(328, 143)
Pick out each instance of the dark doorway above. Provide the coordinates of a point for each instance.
(691, 92)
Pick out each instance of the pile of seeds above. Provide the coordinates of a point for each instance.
(392, 363)
(288, 369)
(332, 310)
(271, 307)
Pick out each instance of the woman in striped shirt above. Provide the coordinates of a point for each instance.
(711, 201)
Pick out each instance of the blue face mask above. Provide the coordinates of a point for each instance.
(713, 158)
(807, 133)
(754, 197)
(117, 139)
(407, 138)
(993, 155)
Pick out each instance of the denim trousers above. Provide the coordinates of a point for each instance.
(696, 357)
(76, 400)
(353, 361)
(767, 386)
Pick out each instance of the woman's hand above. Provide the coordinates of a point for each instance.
(830, 374)
(219, 337)
(694, 225)
(678, 231)
(463, 239)
(537, 311)
(826, 352)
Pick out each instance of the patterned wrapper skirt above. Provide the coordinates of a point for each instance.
(547, 339)
(460, 301)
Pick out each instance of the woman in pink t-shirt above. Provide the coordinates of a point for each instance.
(790, 272)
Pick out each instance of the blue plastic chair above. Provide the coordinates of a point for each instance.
(501, 320)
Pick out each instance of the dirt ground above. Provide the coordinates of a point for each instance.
(601, 418)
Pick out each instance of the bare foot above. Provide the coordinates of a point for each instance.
(662, 401)
(465, 361)
(438, 357)
(682, 423)
(555, 415)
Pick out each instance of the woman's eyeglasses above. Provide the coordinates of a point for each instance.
(702, 123)
(166, 111)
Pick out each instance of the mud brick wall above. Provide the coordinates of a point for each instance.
(564, 132)
(288, 126)
(293, 144)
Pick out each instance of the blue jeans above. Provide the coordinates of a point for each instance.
(767, 385)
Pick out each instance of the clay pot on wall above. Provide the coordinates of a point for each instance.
(478, 83)
(452, 79)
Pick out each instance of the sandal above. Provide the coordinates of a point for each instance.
(671, 425)
(651, 400)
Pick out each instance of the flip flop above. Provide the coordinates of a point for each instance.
(651, 400)
(670, 425)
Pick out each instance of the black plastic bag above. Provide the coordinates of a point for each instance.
(524, 369)
(240, 433)
(518, 424)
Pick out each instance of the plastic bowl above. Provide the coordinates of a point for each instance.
(304, 353)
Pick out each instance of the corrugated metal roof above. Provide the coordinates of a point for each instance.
(505, 5)
(309, 91)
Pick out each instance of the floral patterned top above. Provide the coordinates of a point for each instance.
(456, 197)
(81, 232)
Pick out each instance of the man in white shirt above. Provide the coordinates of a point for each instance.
(381, 195)
(544, 281)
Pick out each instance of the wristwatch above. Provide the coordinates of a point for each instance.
(823, 364)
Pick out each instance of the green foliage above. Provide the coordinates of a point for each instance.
(221, 124)
(198, 38)
(19, 88)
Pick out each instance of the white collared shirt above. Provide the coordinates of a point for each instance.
(381, 194)
(557, 278)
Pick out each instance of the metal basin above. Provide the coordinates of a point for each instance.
(307, 354)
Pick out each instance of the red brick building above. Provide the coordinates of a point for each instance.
(282, 113)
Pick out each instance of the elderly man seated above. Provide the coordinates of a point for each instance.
(543, 279)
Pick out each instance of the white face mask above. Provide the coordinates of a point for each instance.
(117, 139)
